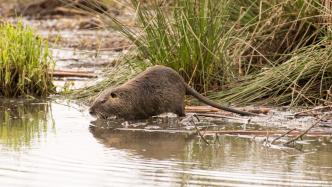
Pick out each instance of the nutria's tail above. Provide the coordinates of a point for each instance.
(191, 91)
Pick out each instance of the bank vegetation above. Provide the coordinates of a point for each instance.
(242, 52)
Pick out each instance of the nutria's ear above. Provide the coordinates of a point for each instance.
(113, 95)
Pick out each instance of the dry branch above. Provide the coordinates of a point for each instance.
(201, 109)
(306, 131)
(263, 133)
(66, 73)
(304, 113)
(283, 135)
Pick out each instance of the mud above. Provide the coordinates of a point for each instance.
(47, 8)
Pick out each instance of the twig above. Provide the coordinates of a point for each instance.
(219, 116)
(291, 130)
(201, 109)
(227, 132)
(311, 110)
(216, 139)
(198, 131)
(266, 140)
(263, 133)
(305, 132)
(63, 73)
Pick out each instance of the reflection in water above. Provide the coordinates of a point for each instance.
(83, 155)
(156, 145)
(231, 160)
(21, 121)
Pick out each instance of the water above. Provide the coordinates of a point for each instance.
(49, 144)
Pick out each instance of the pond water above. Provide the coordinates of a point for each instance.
(51, 144)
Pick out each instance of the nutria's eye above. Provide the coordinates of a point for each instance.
(113, 95)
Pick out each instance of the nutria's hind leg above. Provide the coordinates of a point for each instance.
(180, 111)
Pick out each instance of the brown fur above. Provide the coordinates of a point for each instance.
(157, 90)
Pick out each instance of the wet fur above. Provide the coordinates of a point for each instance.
(157, 90)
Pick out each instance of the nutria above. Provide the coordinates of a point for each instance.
(157, 90)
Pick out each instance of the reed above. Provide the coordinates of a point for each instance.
(239, 51)
(24, 62)
(304, 79)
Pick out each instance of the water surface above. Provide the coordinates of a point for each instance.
(49, 144)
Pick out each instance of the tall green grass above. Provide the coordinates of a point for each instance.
(216, 42)
(116, 75)
(244, 51)
(191, 37)
(24, 62)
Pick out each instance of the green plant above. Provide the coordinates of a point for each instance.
(249, 49)
(116, 75)
(191, 37)
(24, 62)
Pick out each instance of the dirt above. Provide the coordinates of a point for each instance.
(48, 8)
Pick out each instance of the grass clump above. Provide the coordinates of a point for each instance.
(304, 79)
(245, 51)
(190, 36)
(24, 62)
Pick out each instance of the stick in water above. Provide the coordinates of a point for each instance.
(306, 131)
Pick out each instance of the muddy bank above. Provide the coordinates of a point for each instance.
(46, 9)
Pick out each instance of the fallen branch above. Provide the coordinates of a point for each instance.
(283, 135)
(220, 116)
(305, 132)
(263, 133)
(231, 132)
(304, 113)
(66, 73)
(207, 109)
(201, 109)
(157, 131)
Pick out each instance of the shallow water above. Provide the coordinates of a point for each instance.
(51, 144)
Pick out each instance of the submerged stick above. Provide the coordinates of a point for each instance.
(291, 130)
(306, 131)
(263, 133)
(198, 131)
(225, 132)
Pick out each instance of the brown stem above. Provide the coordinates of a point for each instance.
(306, 131)
(291, 130)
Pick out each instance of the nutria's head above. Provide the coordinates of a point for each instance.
(111, 102)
